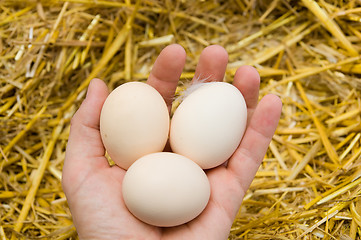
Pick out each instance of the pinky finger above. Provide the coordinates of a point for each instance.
(246, 160)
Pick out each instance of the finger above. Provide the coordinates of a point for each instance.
(84, 143)
(247, 80)
(246, 160)
(212, 64)
(167, 70)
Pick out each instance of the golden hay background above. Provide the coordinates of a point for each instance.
(308, 186)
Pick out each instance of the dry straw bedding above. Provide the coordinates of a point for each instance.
(306, 52)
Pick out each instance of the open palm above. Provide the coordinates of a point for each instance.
(93, 188)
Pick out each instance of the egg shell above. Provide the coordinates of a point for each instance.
(134, 122)
(209, 124)
(165, 189)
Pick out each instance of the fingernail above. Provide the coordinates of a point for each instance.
(89, 86)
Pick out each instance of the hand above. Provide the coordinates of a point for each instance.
(93, 188)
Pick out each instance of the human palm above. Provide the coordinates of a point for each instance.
(94, 189)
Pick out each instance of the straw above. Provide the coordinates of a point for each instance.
(330, 25)
(113, 48)
(37, 179)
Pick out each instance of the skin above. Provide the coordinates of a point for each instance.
(93, 188)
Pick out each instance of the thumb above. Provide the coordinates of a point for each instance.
(85, 150)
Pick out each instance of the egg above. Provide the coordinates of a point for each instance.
(134, 122)
(209, 123)
(165, 189)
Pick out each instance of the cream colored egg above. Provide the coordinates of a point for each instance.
(209, 124)
(165, 189)
(134, 122)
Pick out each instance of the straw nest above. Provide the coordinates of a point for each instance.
(306, 51)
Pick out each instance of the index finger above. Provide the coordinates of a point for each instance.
(166, 72)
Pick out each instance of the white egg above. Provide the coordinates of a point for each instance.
(165, 189)
(209, 124)
(134, 122)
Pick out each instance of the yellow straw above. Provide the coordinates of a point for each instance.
(37, 179)
(113, 48)
(330, 25)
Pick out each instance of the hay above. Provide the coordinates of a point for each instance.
(308, 185)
